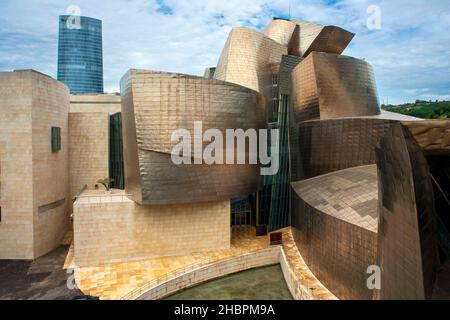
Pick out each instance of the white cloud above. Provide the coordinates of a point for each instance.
(411, 51)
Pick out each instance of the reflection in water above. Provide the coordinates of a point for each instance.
(265, 283)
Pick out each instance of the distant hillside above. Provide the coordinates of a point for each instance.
(422, 109)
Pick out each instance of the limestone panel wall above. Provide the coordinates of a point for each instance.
(50, 169)
(89, 149)
(34, 181)
(16, 189)
(121, 230)
(108, 102)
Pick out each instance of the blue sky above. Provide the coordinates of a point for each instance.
(410, 53)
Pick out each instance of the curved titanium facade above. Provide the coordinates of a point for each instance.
(250, 59)
(320, 147)
(335, 231)
(308, 32)
(281, 31)
(407, 247)
(154, 104)
(80, 56)
(330, 40)
(303, 37)
(327, 86)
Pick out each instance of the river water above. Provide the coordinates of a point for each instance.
(266, 283)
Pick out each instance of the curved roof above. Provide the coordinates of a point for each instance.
(350, 195)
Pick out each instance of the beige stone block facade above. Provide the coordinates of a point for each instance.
(109, 229)
(89, 138)
(34, 181)
(108, 102)
(88, 150)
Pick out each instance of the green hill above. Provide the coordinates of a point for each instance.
(422, 109)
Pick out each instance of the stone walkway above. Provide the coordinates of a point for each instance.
(308, 286)
(112, 281)
(41, 279)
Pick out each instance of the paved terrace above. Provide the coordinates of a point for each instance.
(113, 281)
(41, 279)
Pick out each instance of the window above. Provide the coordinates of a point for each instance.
(274, 80)
(56, 139)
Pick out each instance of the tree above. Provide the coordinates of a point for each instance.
(106, 183)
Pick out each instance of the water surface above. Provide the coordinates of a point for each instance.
(266, 283)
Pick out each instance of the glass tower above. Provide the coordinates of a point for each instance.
(80, 56)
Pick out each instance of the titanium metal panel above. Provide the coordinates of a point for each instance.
(154, 104)
(250, 59)
(327, 86)
(304, 92)
(304, 37)
(322, 146)
(407, 247)
(308, 32)
(280, 30)
(350, 195)
(330, 227)
(433, 136)
(331, 40)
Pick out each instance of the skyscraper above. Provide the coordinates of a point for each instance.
(80, 56)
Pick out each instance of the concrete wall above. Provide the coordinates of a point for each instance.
(116, 229)
(34, 181)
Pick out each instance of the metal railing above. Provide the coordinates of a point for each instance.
(136, 293)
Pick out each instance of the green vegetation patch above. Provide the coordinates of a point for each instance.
(422, 109)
